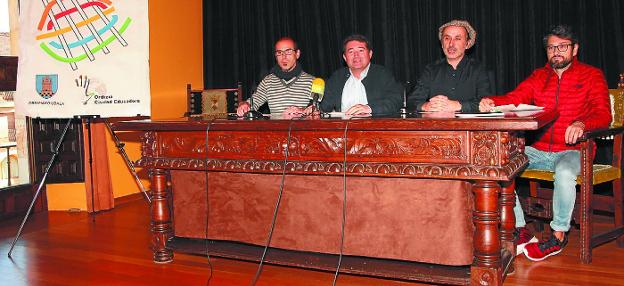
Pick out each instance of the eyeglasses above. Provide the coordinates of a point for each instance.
(287, 52)
(561, 48)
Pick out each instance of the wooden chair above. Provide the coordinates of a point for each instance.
(539, 203)
(219, 101)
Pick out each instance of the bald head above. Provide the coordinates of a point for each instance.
(286, 53)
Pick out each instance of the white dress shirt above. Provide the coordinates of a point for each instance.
(354, 91)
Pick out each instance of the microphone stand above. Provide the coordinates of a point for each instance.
(316, 101)
(403, 110)
(252, 114)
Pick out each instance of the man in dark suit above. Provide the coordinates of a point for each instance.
(361, 88)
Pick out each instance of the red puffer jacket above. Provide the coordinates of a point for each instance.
(580, 95)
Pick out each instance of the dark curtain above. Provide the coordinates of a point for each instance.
(239, 35)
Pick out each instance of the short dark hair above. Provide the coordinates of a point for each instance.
(355, 37)
(288, 39)
(561, 31)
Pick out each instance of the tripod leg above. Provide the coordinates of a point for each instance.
(122, 151)
(43, 179)
(88, 125)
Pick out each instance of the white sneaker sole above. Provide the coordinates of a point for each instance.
(520, 247)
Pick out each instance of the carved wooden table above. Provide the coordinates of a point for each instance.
(487, 152)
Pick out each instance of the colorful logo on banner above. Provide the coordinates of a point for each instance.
(46, 85)
(70, 31)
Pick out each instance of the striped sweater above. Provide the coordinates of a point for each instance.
(281, 94)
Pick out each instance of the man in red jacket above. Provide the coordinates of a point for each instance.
(579, 93)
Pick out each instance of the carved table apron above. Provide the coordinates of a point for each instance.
(487, 152)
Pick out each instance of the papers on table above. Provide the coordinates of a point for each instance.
(513, 108)
(501, 110)
(480, 114)
(336, 114)
(342, 115)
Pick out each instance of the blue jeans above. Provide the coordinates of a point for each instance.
(567, 166)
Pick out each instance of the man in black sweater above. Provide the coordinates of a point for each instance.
(455, 83)
(361, 88)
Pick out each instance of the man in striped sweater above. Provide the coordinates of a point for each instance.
(287, 88)
(579, 93)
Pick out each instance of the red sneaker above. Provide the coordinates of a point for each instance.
(539, 251)
(522, 237)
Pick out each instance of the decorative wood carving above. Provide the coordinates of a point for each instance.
(403, 155)
(483, 276)
(439, 146)
(148, 148)
(306, 154)
(484, 148)
(336, 168)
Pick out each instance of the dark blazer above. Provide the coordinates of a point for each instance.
(383, 93)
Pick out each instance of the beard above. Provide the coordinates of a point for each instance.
(561, 64)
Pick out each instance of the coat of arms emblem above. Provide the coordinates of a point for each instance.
(47, 85)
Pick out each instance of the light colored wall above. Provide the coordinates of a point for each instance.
(13, 20)
(176, 58)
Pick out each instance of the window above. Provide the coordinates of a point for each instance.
(13, 135)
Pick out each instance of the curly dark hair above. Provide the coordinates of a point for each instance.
(561, 31)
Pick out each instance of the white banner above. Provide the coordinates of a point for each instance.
(83, 57)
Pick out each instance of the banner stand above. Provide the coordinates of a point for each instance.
(87, 119)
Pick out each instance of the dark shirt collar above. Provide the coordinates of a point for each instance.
(464, 61)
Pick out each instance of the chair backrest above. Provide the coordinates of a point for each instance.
(617, 103)
(213, 101)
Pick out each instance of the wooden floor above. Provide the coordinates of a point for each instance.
(61, 248)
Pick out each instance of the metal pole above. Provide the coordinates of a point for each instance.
(88, 124)
(43, 179)
(120, 147)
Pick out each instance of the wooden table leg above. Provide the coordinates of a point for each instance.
(487, 266)
(508, 219)
(161, 217)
